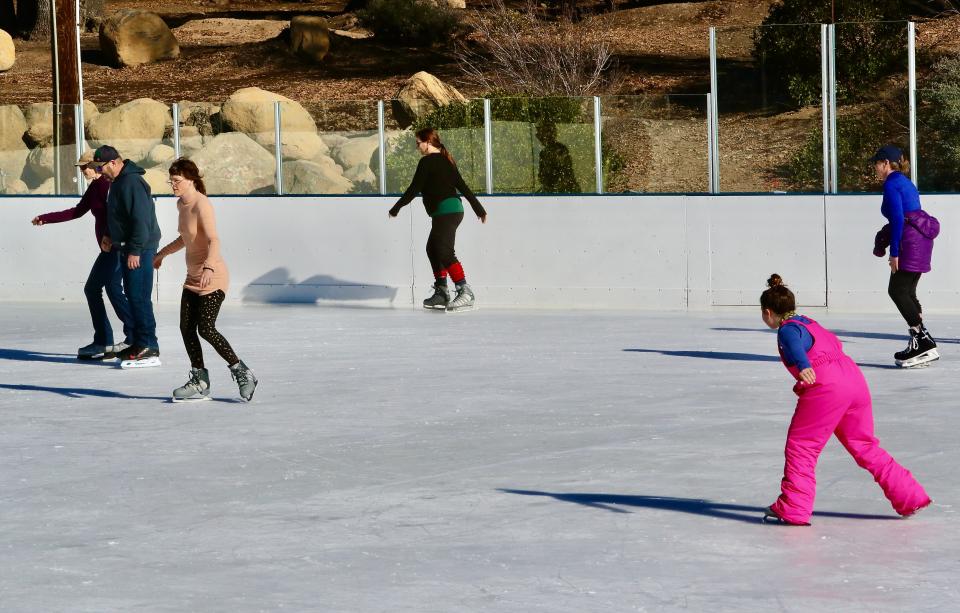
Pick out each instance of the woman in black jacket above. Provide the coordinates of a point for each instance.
(438, 180)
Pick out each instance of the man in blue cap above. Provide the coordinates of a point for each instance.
(132, 219)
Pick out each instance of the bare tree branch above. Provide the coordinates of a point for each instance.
(522, 52)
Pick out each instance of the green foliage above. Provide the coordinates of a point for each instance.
(871, 43)
(414, 23)
(541, 145)
(857, 139)
(939, 128)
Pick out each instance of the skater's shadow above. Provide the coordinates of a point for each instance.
(694, 506)
(77, 392)
(712, 355)
(23, 355)
(882, 336)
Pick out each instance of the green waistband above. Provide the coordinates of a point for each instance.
(447, 206)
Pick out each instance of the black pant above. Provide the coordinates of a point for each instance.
(440, 243)
(199, 314)
(903, 291)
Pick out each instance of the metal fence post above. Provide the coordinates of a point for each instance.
(278, 147)
(710, 152)
(382, 157)
(832, 82)
(78, 139)
(825, 104)
(176, 129)
(714, 117)
(598, 142)
(912, 68)
(488, 145)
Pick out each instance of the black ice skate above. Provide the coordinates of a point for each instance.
(770, 517)
(139, 357)
(921, 350)
(440, 297)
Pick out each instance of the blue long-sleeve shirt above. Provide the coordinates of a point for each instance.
(899, 196)
(795, 341)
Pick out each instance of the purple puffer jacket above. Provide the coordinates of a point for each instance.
(916, 246)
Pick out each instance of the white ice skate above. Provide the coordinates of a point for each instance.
(142, 363)
(464, 301)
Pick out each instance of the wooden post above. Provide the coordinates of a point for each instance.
(66, 93)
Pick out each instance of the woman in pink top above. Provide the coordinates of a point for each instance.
(205, 288)
(833, 398)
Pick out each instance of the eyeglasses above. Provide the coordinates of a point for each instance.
(175, 181)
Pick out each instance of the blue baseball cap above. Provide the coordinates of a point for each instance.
(887, 152)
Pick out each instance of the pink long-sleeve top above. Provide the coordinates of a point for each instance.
(198, 235)
(93, 200)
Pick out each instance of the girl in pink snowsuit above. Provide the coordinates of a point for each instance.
(833, 399)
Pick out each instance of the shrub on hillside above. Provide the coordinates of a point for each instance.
(858, 136)
(871, 43)
(415, 23)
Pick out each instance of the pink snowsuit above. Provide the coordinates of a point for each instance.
(837, 403)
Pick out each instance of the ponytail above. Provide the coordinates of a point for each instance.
(429, 135)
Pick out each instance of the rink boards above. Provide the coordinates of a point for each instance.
(649, 252)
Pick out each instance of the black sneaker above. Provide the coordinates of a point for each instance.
(921, 350)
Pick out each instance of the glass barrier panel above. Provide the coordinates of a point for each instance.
(938, 107)
(236, 145)
(460, 127)
(142, 132)
(938, 133)
(769, 104)
(339, 156)
(655, 144)
(543, 145)
(872, 98)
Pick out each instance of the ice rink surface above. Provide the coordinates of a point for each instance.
(397, 460)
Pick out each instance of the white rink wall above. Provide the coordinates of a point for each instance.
(646, 252)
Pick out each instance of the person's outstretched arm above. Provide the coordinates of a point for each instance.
(94, 192)
(416, 186)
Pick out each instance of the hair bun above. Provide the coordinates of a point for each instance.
(774, 280)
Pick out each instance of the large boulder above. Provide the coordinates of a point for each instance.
(233, 163)
(250, 110)
(12, 163)
(8, 53)
(157, 180)
(13, 125)
(356, 151)
(310, 37)
(39, 166)
(314, 177)
(134, 128)
(160, 155)
(420, 95)
(133, 37)
(39, 116)
(13, 187)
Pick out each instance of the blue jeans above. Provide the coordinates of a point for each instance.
(138, 285)
(106, 275)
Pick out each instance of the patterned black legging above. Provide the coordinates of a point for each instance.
(198, 314)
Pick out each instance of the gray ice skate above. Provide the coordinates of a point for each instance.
(465, 300)
(196, 388)
(245, 379)
(440, 297)
(93, 351)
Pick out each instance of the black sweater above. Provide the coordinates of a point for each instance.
(437, 179)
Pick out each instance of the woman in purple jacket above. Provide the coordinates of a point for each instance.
(105, 274)
(909, 233)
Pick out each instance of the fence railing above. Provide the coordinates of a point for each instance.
(757, 130)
